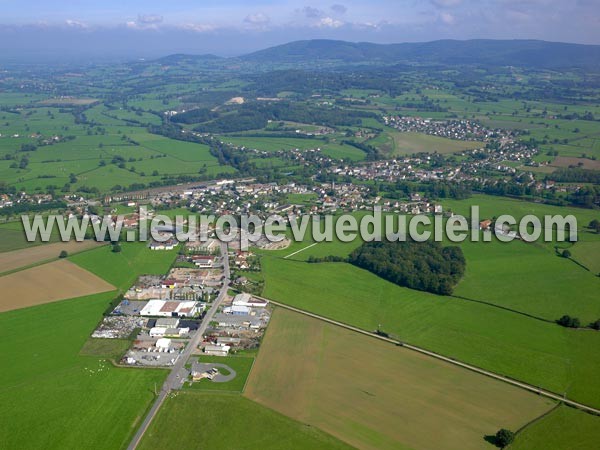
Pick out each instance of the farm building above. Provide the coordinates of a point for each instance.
(169, 308)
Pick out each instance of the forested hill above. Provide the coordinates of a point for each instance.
(524, 53)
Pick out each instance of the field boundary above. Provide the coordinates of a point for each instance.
(536, 390)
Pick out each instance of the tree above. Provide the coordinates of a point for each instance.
(116, 248)
(504, 437)
(63, 254)
(566, 254)
(595, 225)
(595, 325)
(569, 322)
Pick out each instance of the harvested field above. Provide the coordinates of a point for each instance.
(38, 253)
(47, 283)
(569, 161)
(373, 395)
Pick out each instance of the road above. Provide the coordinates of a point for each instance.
(178, 372)
(528, 387)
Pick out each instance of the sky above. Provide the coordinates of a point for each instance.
(146, 28)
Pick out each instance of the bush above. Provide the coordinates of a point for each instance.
(63, 254)
(566, 254)
(116, 248)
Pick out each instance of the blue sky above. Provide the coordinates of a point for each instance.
(152, 28)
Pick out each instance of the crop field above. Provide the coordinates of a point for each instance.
(53, 398)
(328, 377)
(12, 237)
(584, 163)
(47, 283)
(541, 353)
(393, 143)
(229, 421)
(121, 269)
(38, 253)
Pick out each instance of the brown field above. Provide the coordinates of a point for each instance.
(567, 161)
(38, 253)
(47, 283)
(374, 395)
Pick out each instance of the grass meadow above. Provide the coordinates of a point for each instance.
(538, 352)
(53, 397)
(227, 421)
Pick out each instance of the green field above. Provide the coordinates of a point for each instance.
(394, 143)
(229, 421)
(564, 428)
(330, 377)
(241, 365)
(537, 352)
(51, 396)
(122, 269)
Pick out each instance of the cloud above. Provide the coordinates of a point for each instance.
(339, 9)
(258, 20)
(328, 22)
(75, 24)
(312, 13)
(149, 19)
(199, 27)
(447, 18)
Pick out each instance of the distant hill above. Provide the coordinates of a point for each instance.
(524, 53)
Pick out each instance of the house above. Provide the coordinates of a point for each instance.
(217, 350)
(169, 284)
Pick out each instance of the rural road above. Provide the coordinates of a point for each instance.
(175, 379)
(476, 369)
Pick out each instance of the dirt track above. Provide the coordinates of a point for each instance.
(38, 253)
(48, 283)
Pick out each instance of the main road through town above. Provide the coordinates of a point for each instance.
(177, 375)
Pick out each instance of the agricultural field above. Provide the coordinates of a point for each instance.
(39, 253)
(563, 428)
(52, 397)
(395, 143)
(226, 421)
(47, 283)
(121, 269)
(540, 353)
(302, 371)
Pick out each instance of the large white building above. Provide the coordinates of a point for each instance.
(169, 308)
(248, 301)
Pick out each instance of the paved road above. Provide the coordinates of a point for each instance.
(476, 369)
(178, 372)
